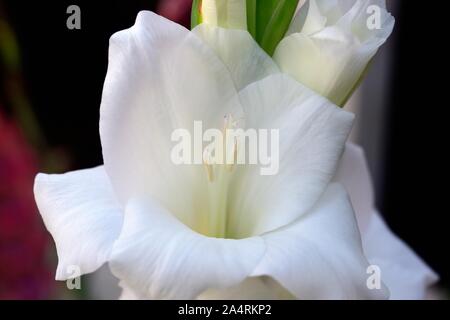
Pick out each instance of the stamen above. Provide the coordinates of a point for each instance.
(230, 167)
(208, 165)
(209, 172)
(214, 172)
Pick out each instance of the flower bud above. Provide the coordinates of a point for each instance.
(223, 13)
(330, 43)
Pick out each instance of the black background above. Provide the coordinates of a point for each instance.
(64, 72)
(416, 183)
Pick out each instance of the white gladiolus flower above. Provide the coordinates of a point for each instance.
(171, 231)
(330, 43)
(213, 231)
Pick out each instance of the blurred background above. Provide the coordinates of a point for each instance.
(51, 82)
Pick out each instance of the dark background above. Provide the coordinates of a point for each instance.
(63, 72)
(416, 188)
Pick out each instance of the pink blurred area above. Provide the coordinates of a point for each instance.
(24, 271)
(176, 10)
(27, 254)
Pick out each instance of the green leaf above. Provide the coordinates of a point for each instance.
(196, 16)
(251, 17)
(269, 20)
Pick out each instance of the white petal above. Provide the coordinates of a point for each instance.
(308, 20)
(80, 211)
(357, 20)
(160, 258)
(243, 57)
(312, 134)
(161, 77)
(334, 10)
(127, 293)
(403, 272)
(353, 173)
(253, 288)
(320, 256)
(328, 63)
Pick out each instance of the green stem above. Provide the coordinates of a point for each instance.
(196, 14)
